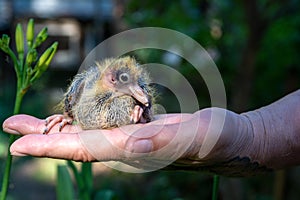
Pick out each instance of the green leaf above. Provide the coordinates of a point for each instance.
(64, 186)
(76, 174)
(86, 173)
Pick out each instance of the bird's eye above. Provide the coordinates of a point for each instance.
(124, 78)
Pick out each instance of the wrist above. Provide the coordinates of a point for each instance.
(276, 133)
(232, 155)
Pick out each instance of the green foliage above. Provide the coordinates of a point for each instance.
(158, 185)
(225, 28)
(64, 187)
(277, 60)
(84, 179)
(27, 73)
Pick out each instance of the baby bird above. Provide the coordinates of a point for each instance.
(112, 93)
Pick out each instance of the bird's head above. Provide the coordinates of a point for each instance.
(123, 76)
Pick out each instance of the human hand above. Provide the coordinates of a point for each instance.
(64, 145)
(228, 144)
(213, 139)
(67, 144)
(178, 141)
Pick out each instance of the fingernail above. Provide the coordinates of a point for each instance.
(142, 146)
(45, 131)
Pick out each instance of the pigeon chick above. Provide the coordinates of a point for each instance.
(110, 94)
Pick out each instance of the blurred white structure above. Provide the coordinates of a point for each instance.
(78, 25)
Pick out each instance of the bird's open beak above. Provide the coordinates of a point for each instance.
(137, 92)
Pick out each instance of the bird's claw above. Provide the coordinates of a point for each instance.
(60, 126)
(136, 114)
(51, 121)
(45, 131)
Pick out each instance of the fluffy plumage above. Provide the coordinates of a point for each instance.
(112, 93)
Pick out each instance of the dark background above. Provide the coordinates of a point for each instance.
(255, 45)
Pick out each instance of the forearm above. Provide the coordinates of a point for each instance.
(276, 132)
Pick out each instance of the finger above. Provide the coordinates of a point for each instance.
(148, 139)
(26, 124)
(60, 145)
(176, 134)
(152, 147)
(105, 145)
(171, 118)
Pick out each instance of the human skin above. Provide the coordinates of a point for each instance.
(249, 143)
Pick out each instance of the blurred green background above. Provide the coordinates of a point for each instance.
(255, 45)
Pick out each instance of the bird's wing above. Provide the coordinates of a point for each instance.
(74, 93)
(82, 82)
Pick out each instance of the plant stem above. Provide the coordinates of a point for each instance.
(18, 101)
(87, 175)
(12, 138)
(215, 187)
(76, 174)
(81, 179)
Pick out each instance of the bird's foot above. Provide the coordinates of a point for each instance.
(136, 115)
(52, 120)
